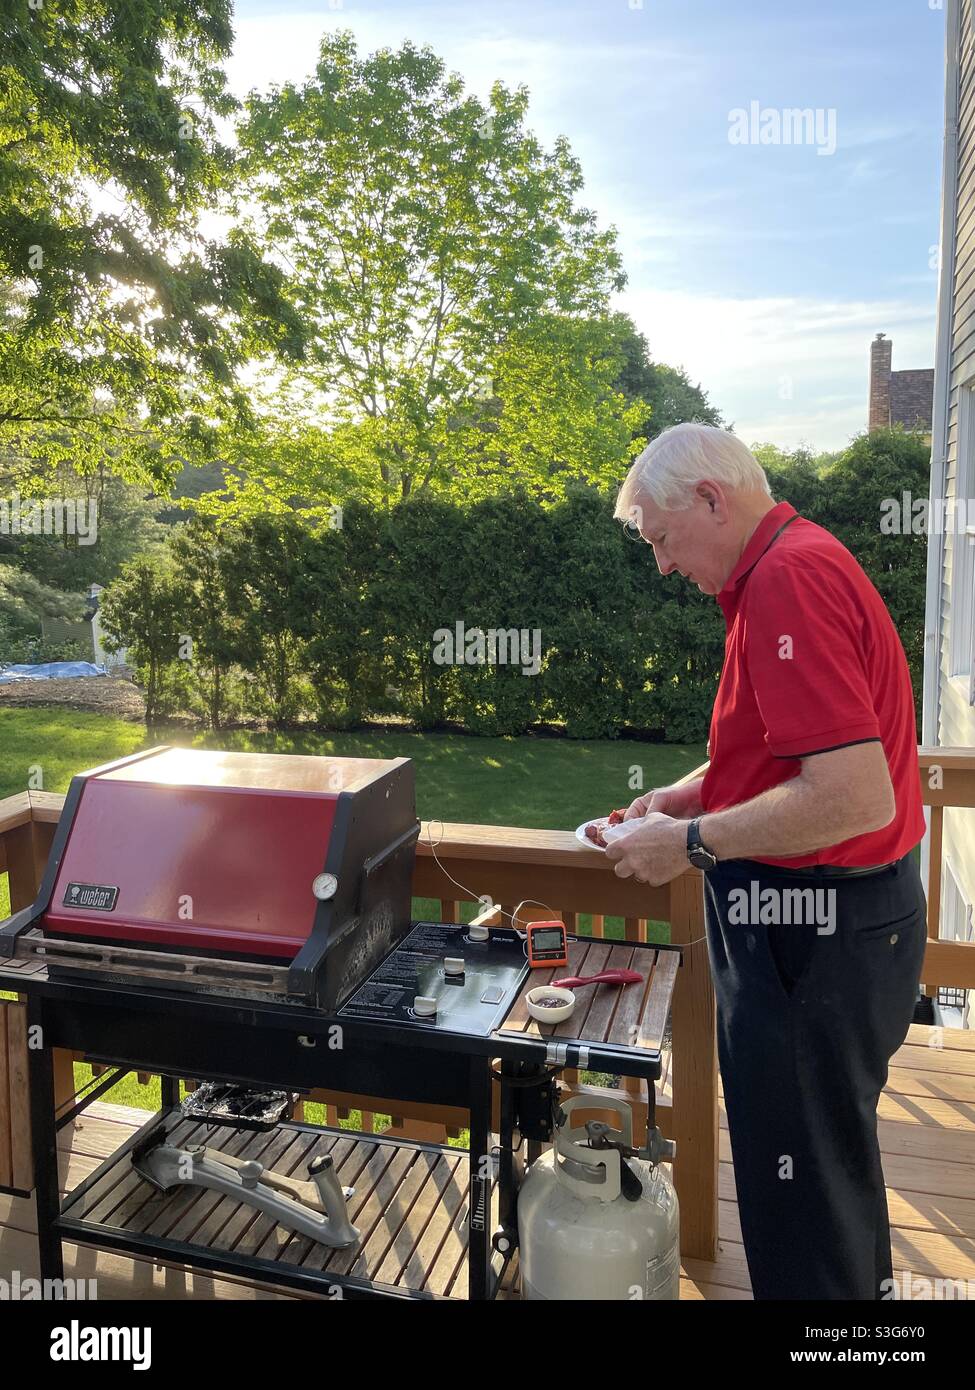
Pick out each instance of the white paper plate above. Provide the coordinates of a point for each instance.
(611, 832)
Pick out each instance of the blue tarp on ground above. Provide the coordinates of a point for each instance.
(49, 671)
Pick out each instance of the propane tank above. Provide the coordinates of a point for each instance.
(594, 1220)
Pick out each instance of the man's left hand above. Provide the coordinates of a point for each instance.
(654, 852)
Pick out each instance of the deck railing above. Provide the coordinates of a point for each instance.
(507, 866)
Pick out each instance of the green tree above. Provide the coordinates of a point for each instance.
(433, 244)
(795, 477)
(558, 417)
(420, 584)
(25, 600)
(204, 612)
(141, 613)
(668, 392)
(262, 563)
(508, 581)
(343, 620)
(121, 327)
(119, 519)
(877, 467)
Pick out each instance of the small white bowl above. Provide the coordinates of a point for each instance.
(566, 998)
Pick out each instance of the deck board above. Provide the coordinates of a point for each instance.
(634, 1013)
(412, 1205)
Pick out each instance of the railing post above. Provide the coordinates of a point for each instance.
(694, 1066)
(27, 851)
(935, 856)
(28, 847)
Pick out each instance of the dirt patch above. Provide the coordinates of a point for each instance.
(111, 695)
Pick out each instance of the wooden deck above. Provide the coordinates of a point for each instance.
(411, 1206)
(926, 1122)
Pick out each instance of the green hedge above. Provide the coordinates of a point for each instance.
(343, 623)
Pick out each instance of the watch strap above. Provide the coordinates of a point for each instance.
(697, 852)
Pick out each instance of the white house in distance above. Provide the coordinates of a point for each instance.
(949, 669)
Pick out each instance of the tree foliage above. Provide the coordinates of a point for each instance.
(142, 612)
(341, 623)
(452, 287)
(668, 392)
(121, 326)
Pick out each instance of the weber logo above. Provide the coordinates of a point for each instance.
(94, 896)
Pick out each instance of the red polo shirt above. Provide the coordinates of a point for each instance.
(812, 662)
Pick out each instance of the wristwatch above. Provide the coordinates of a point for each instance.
(699, 856)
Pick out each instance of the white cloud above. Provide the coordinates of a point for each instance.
(569, 76)
(781, 369)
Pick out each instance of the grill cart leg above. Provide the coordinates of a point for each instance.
(44, 1146)
(507, 1182)
(479, 1217)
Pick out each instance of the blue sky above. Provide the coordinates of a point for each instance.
(763, 269)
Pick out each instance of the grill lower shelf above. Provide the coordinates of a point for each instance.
(410, 1204)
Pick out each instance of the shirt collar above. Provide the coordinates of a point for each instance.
(759, 541)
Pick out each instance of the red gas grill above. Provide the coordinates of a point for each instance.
(235, 872)
(245, 920)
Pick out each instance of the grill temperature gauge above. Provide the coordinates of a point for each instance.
(325, 886)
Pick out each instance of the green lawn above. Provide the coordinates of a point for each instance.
(43, 748)
(535, 782)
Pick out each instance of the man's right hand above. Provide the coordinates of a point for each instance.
(683, 802)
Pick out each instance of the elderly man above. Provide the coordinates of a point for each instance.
(813, 784)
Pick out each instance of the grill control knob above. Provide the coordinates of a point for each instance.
(479, 933)
(424, 1006)
(453, 965)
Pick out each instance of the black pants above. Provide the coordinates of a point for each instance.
(808, 1018)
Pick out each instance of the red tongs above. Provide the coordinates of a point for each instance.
(605, 977)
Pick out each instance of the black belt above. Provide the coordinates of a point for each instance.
(812, 871)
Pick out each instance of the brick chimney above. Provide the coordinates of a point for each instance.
(880, 360)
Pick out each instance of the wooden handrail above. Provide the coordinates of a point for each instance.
(491, 860)
(29, 806)
(470, 862)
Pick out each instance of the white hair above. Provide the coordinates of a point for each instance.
(673, 464)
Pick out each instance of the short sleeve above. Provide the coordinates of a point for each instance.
(804, 647)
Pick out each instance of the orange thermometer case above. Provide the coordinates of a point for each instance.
(547, 945)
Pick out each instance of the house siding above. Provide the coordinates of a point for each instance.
(956, 716)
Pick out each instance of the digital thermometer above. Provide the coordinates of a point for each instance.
(548, 944)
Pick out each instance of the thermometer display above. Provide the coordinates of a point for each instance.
(547, 944)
